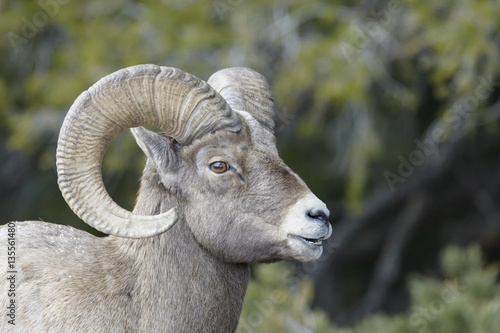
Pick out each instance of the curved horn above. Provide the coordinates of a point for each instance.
(246, 90)
(179, 104)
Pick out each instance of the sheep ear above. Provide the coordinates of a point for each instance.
(162, 151)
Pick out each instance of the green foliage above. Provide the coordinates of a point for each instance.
(349, 76)
(277, 301)
(467, 299)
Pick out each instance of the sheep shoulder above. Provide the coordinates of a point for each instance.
(62, 273)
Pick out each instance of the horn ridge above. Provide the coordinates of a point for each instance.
(246, 90)
(179, 104)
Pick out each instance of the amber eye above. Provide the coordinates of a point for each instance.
(219, 167)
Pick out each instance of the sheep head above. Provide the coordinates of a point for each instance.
(216, 156)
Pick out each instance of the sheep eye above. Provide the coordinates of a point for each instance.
(219, 167)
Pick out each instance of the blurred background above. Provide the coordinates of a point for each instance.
(389, 110)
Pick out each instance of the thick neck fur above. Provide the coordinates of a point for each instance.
(180, 287)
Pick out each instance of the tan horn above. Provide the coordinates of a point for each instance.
(179, 104)
(246, 90)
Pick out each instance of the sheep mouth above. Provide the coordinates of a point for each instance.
(311, 241)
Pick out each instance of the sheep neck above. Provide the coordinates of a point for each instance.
(178, 284)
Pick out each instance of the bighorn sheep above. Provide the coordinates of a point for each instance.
(213, 177)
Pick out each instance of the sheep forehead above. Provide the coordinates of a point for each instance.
(251, 139)
(213, 144)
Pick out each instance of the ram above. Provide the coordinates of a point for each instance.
(213, 179)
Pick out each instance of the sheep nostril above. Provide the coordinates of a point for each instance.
(318, 215)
